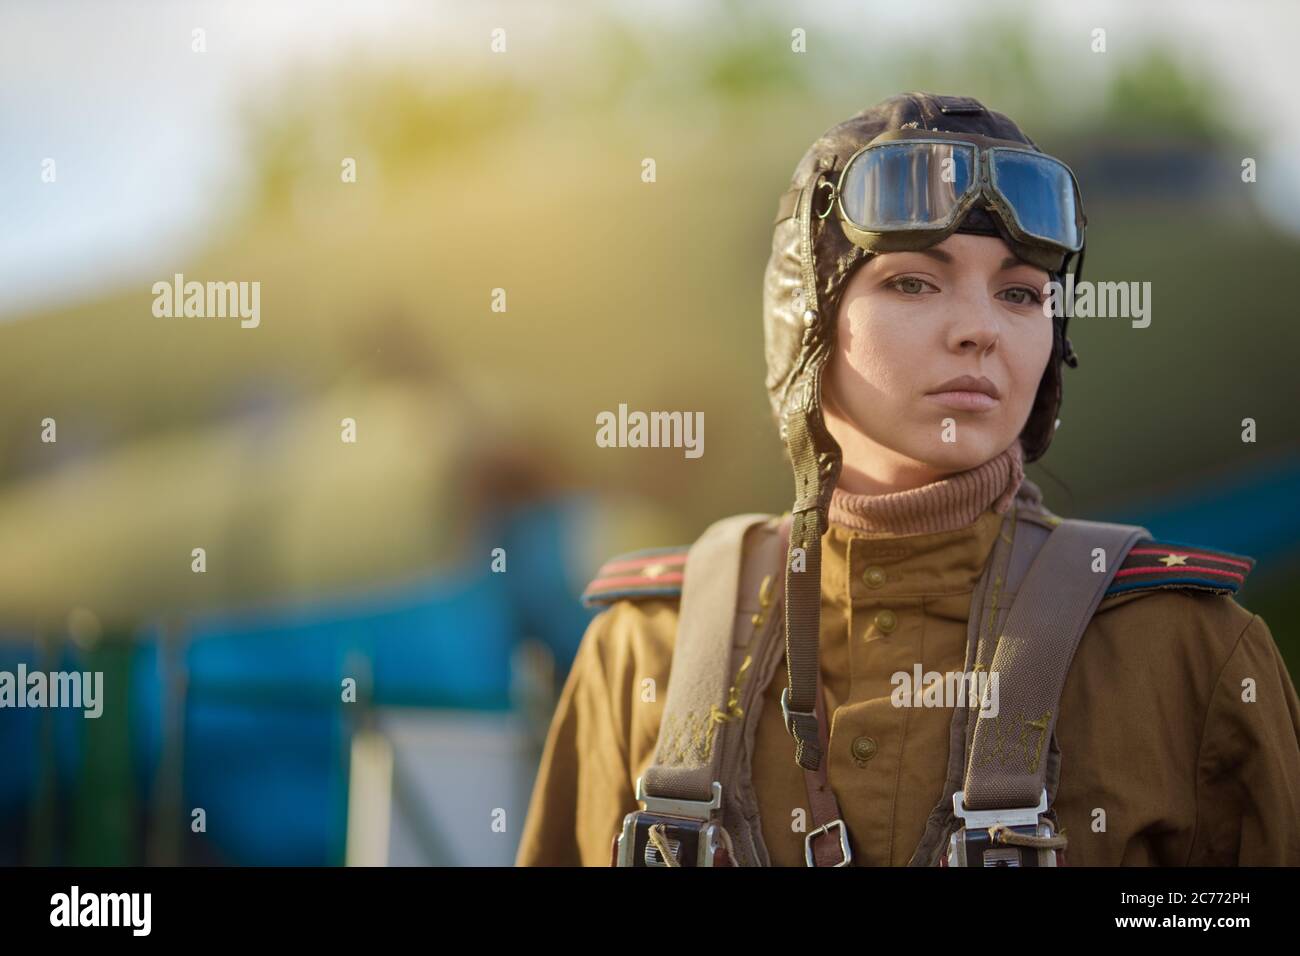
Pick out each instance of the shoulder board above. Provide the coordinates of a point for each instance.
(1152, 565)
(652, 573)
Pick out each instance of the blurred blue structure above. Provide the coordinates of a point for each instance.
(1253, 512)
(265, 735)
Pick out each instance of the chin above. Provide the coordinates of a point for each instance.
(960, 455)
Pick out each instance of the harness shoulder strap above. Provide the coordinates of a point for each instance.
(757, 649)
(687, 761)
(1059, 598)
(1007, 765)
(726, 653)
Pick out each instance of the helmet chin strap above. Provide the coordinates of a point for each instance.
(816, 460)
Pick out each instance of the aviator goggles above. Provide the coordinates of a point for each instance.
(911, 189)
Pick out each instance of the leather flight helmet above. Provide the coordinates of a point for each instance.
(810, 264)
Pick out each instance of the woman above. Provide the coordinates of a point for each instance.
(1119, 706)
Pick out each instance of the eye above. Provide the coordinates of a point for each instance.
(1021, 295)
(910, 285)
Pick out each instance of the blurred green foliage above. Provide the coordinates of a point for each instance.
(377, 295)
(1154, 94)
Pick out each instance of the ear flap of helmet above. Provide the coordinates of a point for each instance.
(1040, 427)
(1037, 434)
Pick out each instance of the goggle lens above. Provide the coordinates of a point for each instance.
(1041, 194)
(907, 185)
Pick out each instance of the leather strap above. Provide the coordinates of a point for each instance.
(821, 798)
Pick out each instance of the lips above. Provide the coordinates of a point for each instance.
(968, 383)
(966, 393)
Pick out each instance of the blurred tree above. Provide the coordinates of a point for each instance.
(1154, 95)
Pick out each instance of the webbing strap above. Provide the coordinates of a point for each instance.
(1023, 533)
(802, 625)
(991, 584)
(1028, 533)
(688, 754)
(757, 647)
(1007, 766)
(816, 468)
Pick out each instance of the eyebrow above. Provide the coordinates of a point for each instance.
(934, 252)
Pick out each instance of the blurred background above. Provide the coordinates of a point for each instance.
(519, 170)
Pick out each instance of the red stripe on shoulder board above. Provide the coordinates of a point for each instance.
(657, 572)
(1159, 565)
(1245, 565)
(1180, 569)
(636, 580)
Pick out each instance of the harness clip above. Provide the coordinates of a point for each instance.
(684, 828)
(1011, 836)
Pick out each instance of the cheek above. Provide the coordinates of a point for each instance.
(1030, 360)
(881, 350)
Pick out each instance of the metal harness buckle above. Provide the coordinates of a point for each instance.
(972, 844)
(845, 852)
(673, 807)
(687, 826)
(787, 713)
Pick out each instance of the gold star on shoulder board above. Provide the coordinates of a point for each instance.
(653, 570)
(1169, 560)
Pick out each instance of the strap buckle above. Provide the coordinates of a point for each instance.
(1010, 816)
(675, 807)
(686, 827)
(688, 842)
(787, 713)
(974, 843)
(845, 852)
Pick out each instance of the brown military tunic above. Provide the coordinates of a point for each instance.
(1163, 761)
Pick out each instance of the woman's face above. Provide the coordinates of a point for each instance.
(908, 324)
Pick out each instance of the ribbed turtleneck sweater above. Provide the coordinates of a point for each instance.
(945, 505)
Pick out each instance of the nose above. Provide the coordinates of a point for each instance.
(976, 327)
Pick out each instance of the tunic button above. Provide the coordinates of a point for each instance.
(864, 748)
(874, 577)
(886, 621)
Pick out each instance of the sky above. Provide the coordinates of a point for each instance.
(144, 137)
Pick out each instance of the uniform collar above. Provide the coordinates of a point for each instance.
(930, 541)
(860, 568)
